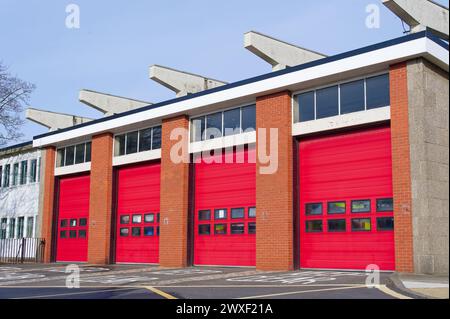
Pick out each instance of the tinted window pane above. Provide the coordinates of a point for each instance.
(119, 145)
(88, 151)
(149, 218)
(83, 221)
(385, 223)
(124, 219)
(237, 228)
(313, 209)
(149, 231)
(145, 140)
(72, 234)
(70, 155)
(360, 206)
(232, 122)
(64, 223)
(385, 205)
(252, 228)
(33, 171)
(336, 208)
(361, 224)
(352, 97)
(198, 129)
(220, 214)
(327, 102)
(313, 226)
(305, 107)
(63, 234)
(137, 219)
(82, 233)
(213, 125)
(79, 154)
(252, 212)
(156, 138)
(73, 223)
(136, 231)
(204, 229)
(204, 215)
(220, 229)
(60, 157)
(237, 213)
(336, 225)
(132, 139)
(24, 173)
(124, 232)
(377, 91)
(249, 118)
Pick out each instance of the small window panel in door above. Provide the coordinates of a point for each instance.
(220, 229)
(361, 224)
(82, 233)
(312, 209)
(149, 231)
(73, 234)
(252, 228)
(385, 223)
(124, 232)
(336, 225)
(125, 219)
(385, 205)
(314, 226)
(137, 219)
(237, 213)
(73, 223)
(64, 223)
(83, 222)
(204, 214)
(220, 214)
(149, 218)
(237, 229)
(361, 206)
(336, 208)
(252, 212)
(63, 234)
(136, 231)
(204, 229)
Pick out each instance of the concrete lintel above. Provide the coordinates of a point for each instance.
(278, 53)
(109, 104)
(52, 120)
(421, 14)
(182, 83)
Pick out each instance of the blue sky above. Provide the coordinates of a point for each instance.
(118, 41)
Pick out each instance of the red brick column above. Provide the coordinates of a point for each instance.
(274, 201)
(401, 169)
(48, 202)
(174, 200)
(100, 202)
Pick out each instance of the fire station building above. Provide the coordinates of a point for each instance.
(336, 163)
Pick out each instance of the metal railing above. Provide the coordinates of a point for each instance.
(22, 250)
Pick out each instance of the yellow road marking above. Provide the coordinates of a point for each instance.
(160, 292)
(392, 293)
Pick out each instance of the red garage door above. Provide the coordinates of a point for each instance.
(225, 223)
(138, 214)
(73, 219)
(346, 217)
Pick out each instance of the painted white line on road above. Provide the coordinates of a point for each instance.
(301, 292)
(392, 293)
(72, 293)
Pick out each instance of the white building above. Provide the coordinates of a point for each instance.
(19, 191)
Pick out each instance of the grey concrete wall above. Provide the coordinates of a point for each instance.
(428, 94)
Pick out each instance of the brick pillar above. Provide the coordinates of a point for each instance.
(48, 201)
(100, 203)
(174, 200)
(401, 169)
(274, 201)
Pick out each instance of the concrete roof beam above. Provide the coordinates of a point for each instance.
(278, 53)
(182, 83)
(109, 104)
(52, 120)
(421, 14)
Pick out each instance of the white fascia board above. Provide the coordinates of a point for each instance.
(342, 121)
(73, 169)
(137, 157)
(437, 54)
(223, 142)
(380, 57)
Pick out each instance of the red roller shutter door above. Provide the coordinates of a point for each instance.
(73, 219)
(137, 239)
(224, 233)
(352, 174)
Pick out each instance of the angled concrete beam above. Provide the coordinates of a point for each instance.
(52, 120)
(182, 83)
(421, 14)
(109, 104)
(278, 53)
